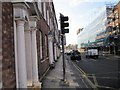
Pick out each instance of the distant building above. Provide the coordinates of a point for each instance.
(71, 47)
(94, 35)
(113, 30)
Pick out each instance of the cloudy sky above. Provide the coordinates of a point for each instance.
(80, 13)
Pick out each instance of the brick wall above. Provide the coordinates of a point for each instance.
(43, 66)
(8, 61)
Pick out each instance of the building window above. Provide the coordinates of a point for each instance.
(42, 8)
(46, 45)
(48, 18)
(41, 45)
(39, 6)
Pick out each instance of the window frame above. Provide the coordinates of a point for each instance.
(41, 46)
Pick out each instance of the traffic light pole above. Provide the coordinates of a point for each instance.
(63, 82)
(63, 57)
(63, 25)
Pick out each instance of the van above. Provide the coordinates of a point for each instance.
(93, 53)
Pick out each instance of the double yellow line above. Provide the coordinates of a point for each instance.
(84, 75)
(94, 85)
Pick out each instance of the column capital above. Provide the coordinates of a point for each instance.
(34, 18)
(50, 38)
(20, 21)
(33, 22)
(28, 30)
(33, 29)
(20, 10)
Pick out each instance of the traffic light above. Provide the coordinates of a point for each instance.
(64, 24)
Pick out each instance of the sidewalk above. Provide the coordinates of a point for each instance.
(54, 76)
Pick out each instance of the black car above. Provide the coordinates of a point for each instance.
(68, 53)
(75, 55)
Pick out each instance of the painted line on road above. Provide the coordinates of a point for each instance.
(95, 80)
(85, 76)
(83, 81)
(81, 77)
(105, 87)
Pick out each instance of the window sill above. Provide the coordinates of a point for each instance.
(42, 60)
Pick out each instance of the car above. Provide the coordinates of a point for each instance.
(68, 53)
(75, 55)
(93, 53)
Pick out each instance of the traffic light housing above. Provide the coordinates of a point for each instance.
(64, 24)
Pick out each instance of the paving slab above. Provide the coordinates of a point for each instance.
(53, 78)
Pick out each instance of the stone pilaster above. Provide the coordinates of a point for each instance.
(21, 54)
(33, 25)
(51, 57)
(28, 48)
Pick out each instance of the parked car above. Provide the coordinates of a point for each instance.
(93, 53)
(75, 55)
(68, 53)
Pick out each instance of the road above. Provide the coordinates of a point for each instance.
(103, 72)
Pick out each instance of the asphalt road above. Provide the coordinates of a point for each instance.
(103, 72)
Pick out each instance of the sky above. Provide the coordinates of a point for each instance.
(80, 13)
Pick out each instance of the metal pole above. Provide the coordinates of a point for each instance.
(63, 57)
